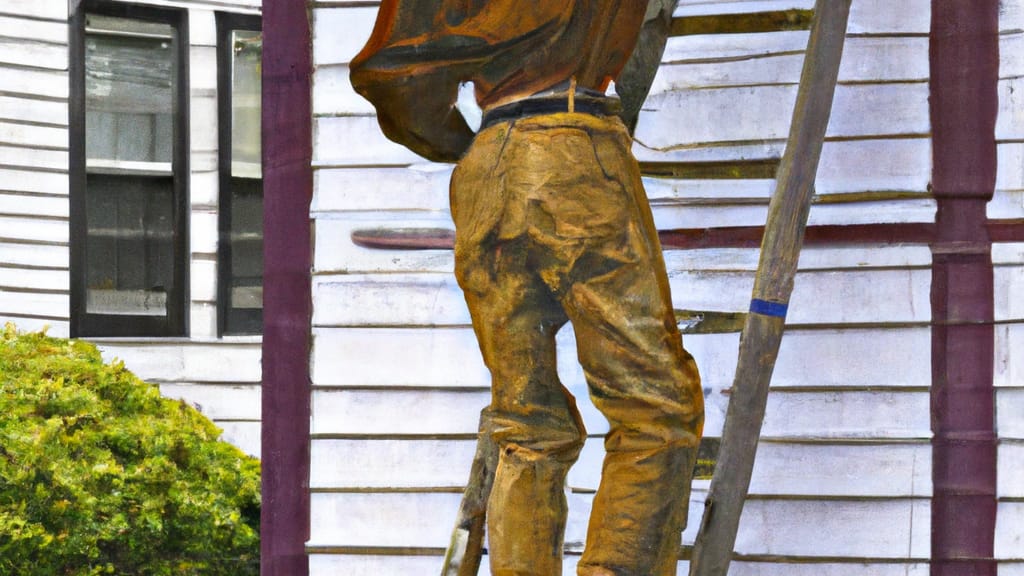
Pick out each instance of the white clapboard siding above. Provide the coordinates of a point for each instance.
(34, 205)
(27, 180)
(42, 279)
(33, 53)
(1009, 407)
(40, 9)
(845, 467)
(1010, 531)
(44, 83)
(33, 30)
(33, 135)
(27, 109)
(184, 361)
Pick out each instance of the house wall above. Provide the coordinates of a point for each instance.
(221, 376)
(842, 482)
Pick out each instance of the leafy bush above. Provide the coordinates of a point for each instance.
(99, 474)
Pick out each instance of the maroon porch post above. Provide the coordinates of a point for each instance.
(287, 190)
(964, 60)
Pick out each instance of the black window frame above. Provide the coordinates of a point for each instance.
(230, 321)
(175, 322)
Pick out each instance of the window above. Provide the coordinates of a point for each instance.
(129, 168)
(240, 248)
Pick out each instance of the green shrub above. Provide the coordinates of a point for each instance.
(99, 474)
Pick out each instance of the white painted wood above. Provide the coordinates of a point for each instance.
(339, 33)
(874, 59)
(1006, 205)
(33, 255)
(15, 108)
(203, 160)
(1011, 568)
(1010, 407)
(768, 568)
(203, 128)
(218, 402)
(202, 30)
(380, 189)
(202, 68)
(1011, 15)
(1011, 253)
(416, 520)
(1009, 285)
(33, 158)
(1011, 54)
(714, 7)
(14, 27)
(425, 463)
(335, 143)
(203, 280)
(1010, 122)
(870, 529)
(55, 328)
(853, 357)
(725, 47)
(1009, 367)
(334, 250)
(1010, 166)
(241, 6)
(333, 93)
(34, 279)
(367, 357)
(203, 190)
(26, 205)
(746, 113)
(203, 231)
(434, 299)
(1010, 531)
(846, 166)
(202, 320)
(55, 306)
(184, 361)
(244, 435)
(49, 83)
(35, 54)
(52, 9)
(33, 229)
(29, 135)
(1011, 469)
(375, 565)
(885, 17)
(862, 415)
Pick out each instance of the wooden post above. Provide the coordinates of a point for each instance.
(780, 252)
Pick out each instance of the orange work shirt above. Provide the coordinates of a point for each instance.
(422, 50)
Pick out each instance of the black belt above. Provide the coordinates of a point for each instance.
(541, 105)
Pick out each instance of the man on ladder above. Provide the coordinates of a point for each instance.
(552, 225)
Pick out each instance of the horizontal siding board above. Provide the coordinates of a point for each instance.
(1011, 54)
(203, 280)
(1010, 531)
(55, 328)
(423, 463)
(333, 135)
(52, 256)
(779, 568)
(368, 357)
(886, 17)
(813, 414)
(33, 229)
(764, 113)
(1011, 470)
(687, 8)
(435, 299)
(218, 402)
(333, 93)
(202, 320)
(1009, 285)
(339, 33)
(44, 83)
(28, 205)
(1010, 410)
(50, 9)
(17, 180)
(55, 306)
(33, 279)
(867, 529)
(19, 51)
(244, 435)
(1010, 121)
(29, 135)
(1009, 363)
(26, 109)
(1010, 169)
(846, 166)
(188, 361)
(29, 158)
(203, 231)
(343, 189)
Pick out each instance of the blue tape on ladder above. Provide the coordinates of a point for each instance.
(766, 308)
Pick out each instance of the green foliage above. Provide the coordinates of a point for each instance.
(99, 474)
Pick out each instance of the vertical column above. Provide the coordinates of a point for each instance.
(964, 62)
(288, 186)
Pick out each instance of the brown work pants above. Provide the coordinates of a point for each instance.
(552, 225)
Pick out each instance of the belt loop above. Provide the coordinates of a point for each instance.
(572, 94)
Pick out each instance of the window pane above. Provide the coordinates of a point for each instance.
(247, 243)
(129, 97)
(130, 248)
(247, 51)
